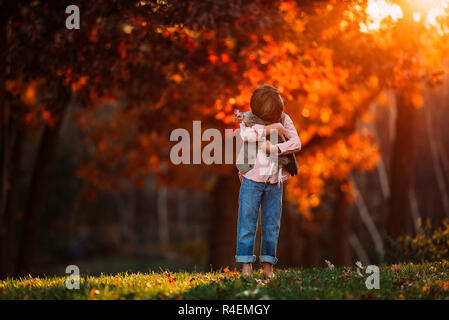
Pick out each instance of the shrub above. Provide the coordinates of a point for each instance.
(425, 246)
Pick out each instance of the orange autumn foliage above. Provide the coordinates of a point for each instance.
(329, 64)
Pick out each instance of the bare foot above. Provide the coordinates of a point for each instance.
(247, 269)
(268, 270)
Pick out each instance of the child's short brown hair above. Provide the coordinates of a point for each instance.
(266, 103)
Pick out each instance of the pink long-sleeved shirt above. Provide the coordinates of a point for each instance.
(265, 170)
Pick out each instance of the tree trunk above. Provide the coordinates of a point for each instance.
(8, 238)
(341, 230)
(437, 165)
(359, 249)
(311, 233)
(414, 207)
(6, 145)
(290, 234)
(162, 216)
(367, 220)
(31, 221)
(182, 214)
(6, 11)
(224, 221)
(398, 222)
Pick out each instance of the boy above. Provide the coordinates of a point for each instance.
(262, 177)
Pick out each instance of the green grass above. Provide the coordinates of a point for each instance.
(405, 281)
(98, 266)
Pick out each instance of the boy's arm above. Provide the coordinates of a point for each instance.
(293, 144)
(252, 134)
(278, 127)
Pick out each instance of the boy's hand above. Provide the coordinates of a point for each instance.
(276, 127)
(240, 177)
(271, 148)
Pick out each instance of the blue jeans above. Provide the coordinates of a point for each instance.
(268, 197)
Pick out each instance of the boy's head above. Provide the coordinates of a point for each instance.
(266, 103)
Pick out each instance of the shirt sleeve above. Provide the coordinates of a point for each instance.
(252, 134)
(293, 143)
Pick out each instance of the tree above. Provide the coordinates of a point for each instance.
(138, 69)
(146, 54)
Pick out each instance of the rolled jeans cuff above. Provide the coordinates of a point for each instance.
(268, 259)
(245, 259)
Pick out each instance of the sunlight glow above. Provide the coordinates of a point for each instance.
(431, 13)
(417, 16)
(378, 12)
(428, 12)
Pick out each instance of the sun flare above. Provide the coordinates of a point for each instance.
(378, 12)
(382, 13)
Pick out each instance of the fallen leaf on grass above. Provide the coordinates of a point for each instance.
(403, 284)
(371, 295)
(330, 266)
(92, 293)
(396, 268)
(261, 282)
(446, 285)
(421, 273)
(202, 277)
(170, 278)
(347, 272)
(249, 293)
(232, 273)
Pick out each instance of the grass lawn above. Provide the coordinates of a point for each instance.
(405, 281)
